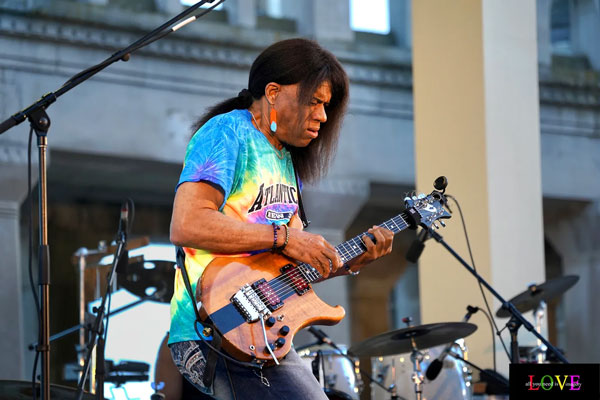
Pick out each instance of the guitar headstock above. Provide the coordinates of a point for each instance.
(425, 210)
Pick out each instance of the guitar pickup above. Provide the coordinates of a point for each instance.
(296, 279)
(267, 294)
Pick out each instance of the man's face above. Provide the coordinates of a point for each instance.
(299, 124)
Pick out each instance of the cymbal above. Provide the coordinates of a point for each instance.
(425, 336)
(152, 279)
(22, 390)
(531, 298)
(95, 255)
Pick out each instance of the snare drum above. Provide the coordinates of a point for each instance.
(453, 381)
(336, 372)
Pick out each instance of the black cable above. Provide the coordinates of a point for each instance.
(230, 380)
(30, 260)
(225, 356)
(493, 334)
(130, 220)
(480, 285)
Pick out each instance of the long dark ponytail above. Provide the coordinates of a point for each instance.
(303, 62)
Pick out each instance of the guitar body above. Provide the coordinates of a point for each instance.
(244, 340)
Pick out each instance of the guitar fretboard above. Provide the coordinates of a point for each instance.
(353, 248)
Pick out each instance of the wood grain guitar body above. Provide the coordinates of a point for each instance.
(292, 303)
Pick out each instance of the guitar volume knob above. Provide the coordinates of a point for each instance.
(270, 321)
(273, 346)
(284, 330)
(280, 342)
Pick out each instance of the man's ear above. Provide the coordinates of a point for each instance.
(272, 91)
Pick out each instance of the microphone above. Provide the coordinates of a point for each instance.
(124, 219)
(417, 246)
(320, 335)
(436, 365)
(122, 235)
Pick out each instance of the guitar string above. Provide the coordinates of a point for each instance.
(280, 288)
(355, 250)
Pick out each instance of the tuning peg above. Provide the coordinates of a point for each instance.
(415, 198)
(443, 223)
(436, 226)
(421, 196)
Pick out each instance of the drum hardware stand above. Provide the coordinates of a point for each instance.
(324, 339)
(40, 123)
(417, 377)
(97, 340)
(496, 377)
(538, 315)
(416, 357)
(516, 319)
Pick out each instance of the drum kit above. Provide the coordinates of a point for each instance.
(424, 362)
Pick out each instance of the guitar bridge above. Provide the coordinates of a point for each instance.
(247, 301)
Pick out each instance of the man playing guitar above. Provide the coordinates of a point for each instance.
(239, 195)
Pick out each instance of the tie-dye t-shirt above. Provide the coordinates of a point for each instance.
(259, 187)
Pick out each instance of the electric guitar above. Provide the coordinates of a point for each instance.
(258, 303)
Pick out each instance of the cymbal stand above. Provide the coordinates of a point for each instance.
(538, 316)
(417, 377)
(416, 357)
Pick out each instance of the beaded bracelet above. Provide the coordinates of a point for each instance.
(275, 248)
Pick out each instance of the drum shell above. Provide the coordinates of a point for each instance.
(453, 381)
(339, 372)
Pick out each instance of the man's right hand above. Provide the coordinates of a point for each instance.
(313, 249)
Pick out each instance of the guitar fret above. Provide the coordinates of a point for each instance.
(301, 269)
(351, 248)
(354, 247)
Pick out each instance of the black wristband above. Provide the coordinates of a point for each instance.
(275, 229)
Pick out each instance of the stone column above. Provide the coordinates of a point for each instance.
(96, 2)
(477, 122)
(320, 20)
(585, 30)
(164, 6)
(574, 230)
(543, 33)
(13, 187)
(400, 22)
(241, 12)
(331, 206)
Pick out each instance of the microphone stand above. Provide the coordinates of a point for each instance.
(98, 326)
(40, 123)
(516, 321)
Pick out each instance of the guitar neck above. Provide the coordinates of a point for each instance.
(352, 248)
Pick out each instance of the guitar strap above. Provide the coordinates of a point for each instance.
(301, 213)
(213, 356)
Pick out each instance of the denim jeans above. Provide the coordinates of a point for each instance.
(290, 380)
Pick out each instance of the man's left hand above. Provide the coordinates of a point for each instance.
(383, 245)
